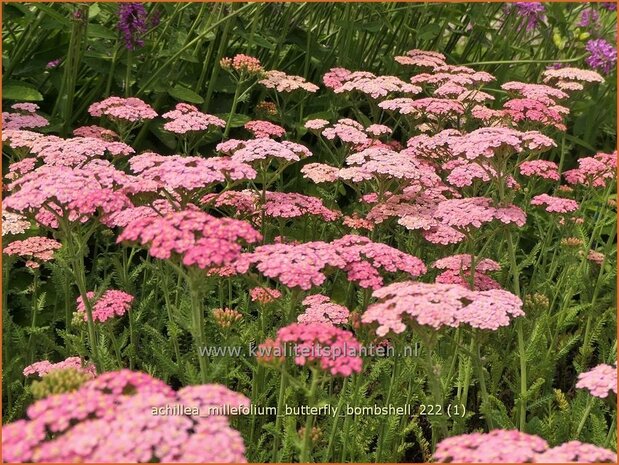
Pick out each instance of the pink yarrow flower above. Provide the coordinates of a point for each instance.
(197, 238)
(24, 117)
(187, 118)
(511, 446)
(323, 345)
(577, 452)
(540, 168)
(14, 224)
(422, 59)
(439, 305)
(242, 63)
(264, 295)
(304, 265)
(110, 304)
(497, 446)
(463, 262)
(261, 128)
(555, 204)
(263, 148)
(130, 109)
(593, 171)
(424, 106)
(34, 249)
(321, 309)
(85, 426)
(96, 132)
(184, 173)
(282, 82)
(44, 367)
(599, 381)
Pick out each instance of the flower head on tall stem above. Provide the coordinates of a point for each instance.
(132, 24)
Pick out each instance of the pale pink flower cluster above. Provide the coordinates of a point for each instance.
(61, 185)
(570, 79)
(422, 58)
(335, 77)
(464, 174)
(596, 257)
(458, 79)
(261, 128)
(196, 237)
(75, 194)
(555, 204)
(104, 201)
(540, 92)
(356, 222)
(304, 265)
(13, 223)
(544, 169)
(131, 109)
(528, 110)
(457, 271)
(577, 452)
(368, 84)
(415, 209)
(115, 418)
(176, 172)
(497, 446)
(242, 64)
(486, 142)
(463, 262)
(439, 305)
(96, 132)
(77, 150)
(378, 130)
(593, 171)
(44, 367)
(321, 309)
(473, 212)
(320, 172)
(274, 204)
(20, 139)
(478, 281)
(322, 345)
(437, 107)
(347, 130)
(108, 305)
(512, 446)
(24, 117)
(264, 295)
(263, 148)
(599, 381)
(34, 249)
(26, 107)
(376, 162)
(316, 124)
(283, 82)
(187, 118)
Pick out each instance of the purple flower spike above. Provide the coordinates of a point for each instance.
(132, 24)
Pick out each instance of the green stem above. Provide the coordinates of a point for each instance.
(197, 316)
(235, 101)
(128, 73)
(585, 415)
(334, 429)
(280, 408)
(306, 450)
(80, 278)
(392, 382)
(520, 330)
(35, 309)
